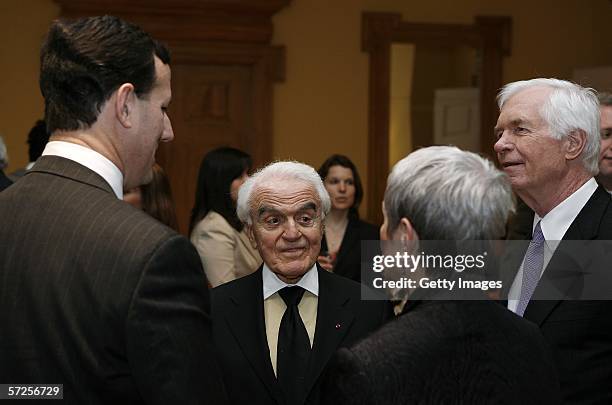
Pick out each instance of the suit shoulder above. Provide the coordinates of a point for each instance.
(226, 290)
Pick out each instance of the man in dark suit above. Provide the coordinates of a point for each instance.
(276, 328)
(548, 144)
(449, 345)
(96, 295)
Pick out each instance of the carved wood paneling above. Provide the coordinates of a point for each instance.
(379, 31)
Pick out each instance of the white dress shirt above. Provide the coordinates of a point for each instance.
(554, 225)
(91, 160)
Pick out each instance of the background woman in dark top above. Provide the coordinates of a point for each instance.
(344, 231)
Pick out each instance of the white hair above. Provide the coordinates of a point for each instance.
(569, 107)
(4, 160)
(284, 170)
(448, 194)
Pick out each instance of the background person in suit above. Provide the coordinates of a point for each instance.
(97, 295)
(344, 231)
(37, 140)
(605, 158)
(274, 346)
(4, 180)
(441, 350)
(548, 144)
(216, 231)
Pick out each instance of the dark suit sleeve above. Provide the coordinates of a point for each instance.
(346, 382)
(169, 343)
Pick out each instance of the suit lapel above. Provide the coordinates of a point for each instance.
(333, 323)
(245, 316)
(69, 169)
(565, 269)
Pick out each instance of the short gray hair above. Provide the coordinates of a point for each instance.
(569, 107)
(281, 171)
(604, 98)
(4, 160)
(448, 194)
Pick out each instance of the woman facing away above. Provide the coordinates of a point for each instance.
(344, 231)
(214, 228)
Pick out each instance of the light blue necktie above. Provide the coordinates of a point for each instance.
(532, 268)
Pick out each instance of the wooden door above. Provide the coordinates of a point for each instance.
(211, 107)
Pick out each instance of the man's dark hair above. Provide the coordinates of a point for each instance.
(83, 62)
(219, 168)
(37, 139)
(344, 161)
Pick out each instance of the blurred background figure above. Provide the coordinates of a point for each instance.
(344, 231)
(4, 181)
(605, 157)
(37, 140)
(155, 198)
(215, 229)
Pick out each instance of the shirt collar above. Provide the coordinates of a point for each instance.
(558, 220)
(91, 160)
(272, 284)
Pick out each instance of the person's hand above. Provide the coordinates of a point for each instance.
(327, 262)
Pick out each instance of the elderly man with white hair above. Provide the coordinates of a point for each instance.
(445, 347)
(548, 143)
(276, 329)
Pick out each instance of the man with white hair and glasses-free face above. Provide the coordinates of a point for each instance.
(276, 329)
(548, 143)
(447, 346)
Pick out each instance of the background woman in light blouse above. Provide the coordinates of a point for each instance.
(215, 230)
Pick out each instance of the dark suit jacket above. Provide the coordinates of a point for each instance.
(579, 332)
(239, 334)
(4, 180)
(348, 261)
(98, 296)
(446, 352)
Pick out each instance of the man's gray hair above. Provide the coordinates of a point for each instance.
(448, 194)
(569, 107)
(4, 160)
(284, 170)
(604, 98)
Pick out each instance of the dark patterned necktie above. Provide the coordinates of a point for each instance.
(293, 349)
(532, 269)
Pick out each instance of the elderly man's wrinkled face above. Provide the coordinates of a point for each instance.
(287, 226)
(525, 148)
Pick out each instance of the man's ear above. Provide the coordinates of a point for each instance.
(406, 231)
(574, 144)
(249, 231)
(125, 100)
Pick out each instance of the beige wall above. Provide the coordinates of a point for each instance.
(23, 24)
(322, 106)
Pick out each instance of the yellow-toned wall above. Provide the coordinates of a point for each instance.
(322, 106)
(23, 25)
